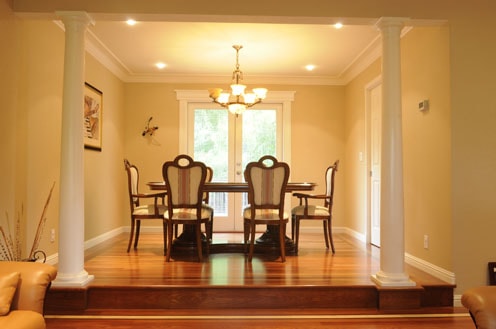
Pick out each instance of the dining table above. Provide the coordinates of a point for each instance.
(267, 242)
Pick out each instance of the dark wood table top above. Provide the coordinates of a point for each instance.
(237, 187)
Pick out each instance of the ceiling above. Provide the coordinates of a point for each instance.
(202, 51)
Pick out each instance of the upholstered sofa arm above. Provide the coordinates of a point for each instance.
(481, 303)
(35, 278)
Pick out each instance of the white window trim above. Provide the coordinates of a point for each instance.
(201, 96)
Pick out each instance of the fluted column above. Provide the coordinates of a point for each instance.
(392, 209)
(71, 222)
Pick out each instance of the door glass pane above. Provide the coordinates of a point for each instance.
(211, 147)
(259, 137)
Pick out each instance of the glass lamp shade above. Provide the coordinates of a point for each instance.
(237, 89)
(223, 98)
(214, 92)
(250, 98)
(236, 108)
(260, 92)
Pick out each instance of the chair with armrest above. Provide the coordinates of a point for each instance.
(185, 180)
(481, 304)
(306, 211)
(140, 211)
(267, 180)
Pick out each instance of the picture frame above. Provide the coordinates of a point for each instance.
(92, 119)
(491, 268)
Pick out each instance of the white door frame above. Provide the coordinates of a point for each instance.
(368, 216)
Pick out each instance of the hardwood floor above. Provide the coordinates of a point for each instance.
(315, 289)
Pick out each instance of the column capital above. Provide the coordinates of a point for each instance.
(75, 17)
(385, 22)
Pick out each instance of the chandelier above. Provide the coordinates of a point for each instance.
(237, 101)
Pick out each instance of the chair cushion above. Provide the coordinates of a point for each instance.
(8, 286)
(264, 214)
(312, 210)
(189, 213)
(149, 209)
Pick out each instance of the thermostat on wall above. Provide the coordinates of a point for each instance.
(424, 105)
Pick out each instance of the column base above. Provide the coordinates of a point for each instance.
(72, 280)
(384, 279)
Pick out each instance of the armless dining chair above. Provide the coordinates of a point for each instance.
(185, 180)
(142, 211)
(306, 211)
(210, 174)
(267, 180)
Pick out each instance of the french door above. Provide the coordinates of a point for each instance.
(227, 143)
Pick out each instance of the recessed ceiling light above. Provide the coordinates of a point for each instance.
(161, 65)
(338, 25)
(131, 22)
(310, 67)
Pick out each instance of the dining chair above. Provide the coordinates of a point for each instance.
(140, 211)
(306, 211)
(210, 174)
(267, 179)
(185, 179)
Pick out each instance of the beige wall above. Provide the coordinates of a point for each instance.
(427, 144)
(105, 178)
(356, 172)
(31, 135)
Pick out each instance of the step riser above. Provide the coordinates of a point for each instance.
(79, 301)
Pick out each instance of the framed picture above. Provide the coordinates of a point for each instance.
(93, 107)
(491, 267)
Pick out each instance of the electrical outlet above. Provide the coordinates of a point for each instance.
(52, 235)
(426, 241)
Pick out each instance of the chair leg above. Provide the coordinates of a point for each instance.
(282, 241)
(131, 235)
(164, 224)
(211, 225)
(297, 234)
(252, 240)
(246, 231)
(170, 229)
(136, 239)
(329, 225)
(199, 242)
(293, 220)
(326, 233)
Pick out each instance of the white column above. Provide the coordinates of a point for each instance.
(71, 222)
(392, 218)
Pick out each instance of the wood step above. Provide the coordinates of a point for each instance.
(102, 298)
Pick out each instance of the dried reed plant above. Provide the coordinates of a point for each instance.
(10, 240)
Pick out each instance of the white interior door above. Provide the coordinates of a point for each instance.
(227, 143)
(375, 164)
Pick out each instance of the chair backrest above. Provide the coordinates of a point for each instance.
(132, 182)
(208, 179)
(330, 174)
(267, 180)
(184, 179)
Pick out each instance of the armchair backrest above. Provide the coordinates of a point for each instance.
(35, 278)
(184, 179)
(132, 182)
(267, 180)
(330, 174)
(208, 179)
